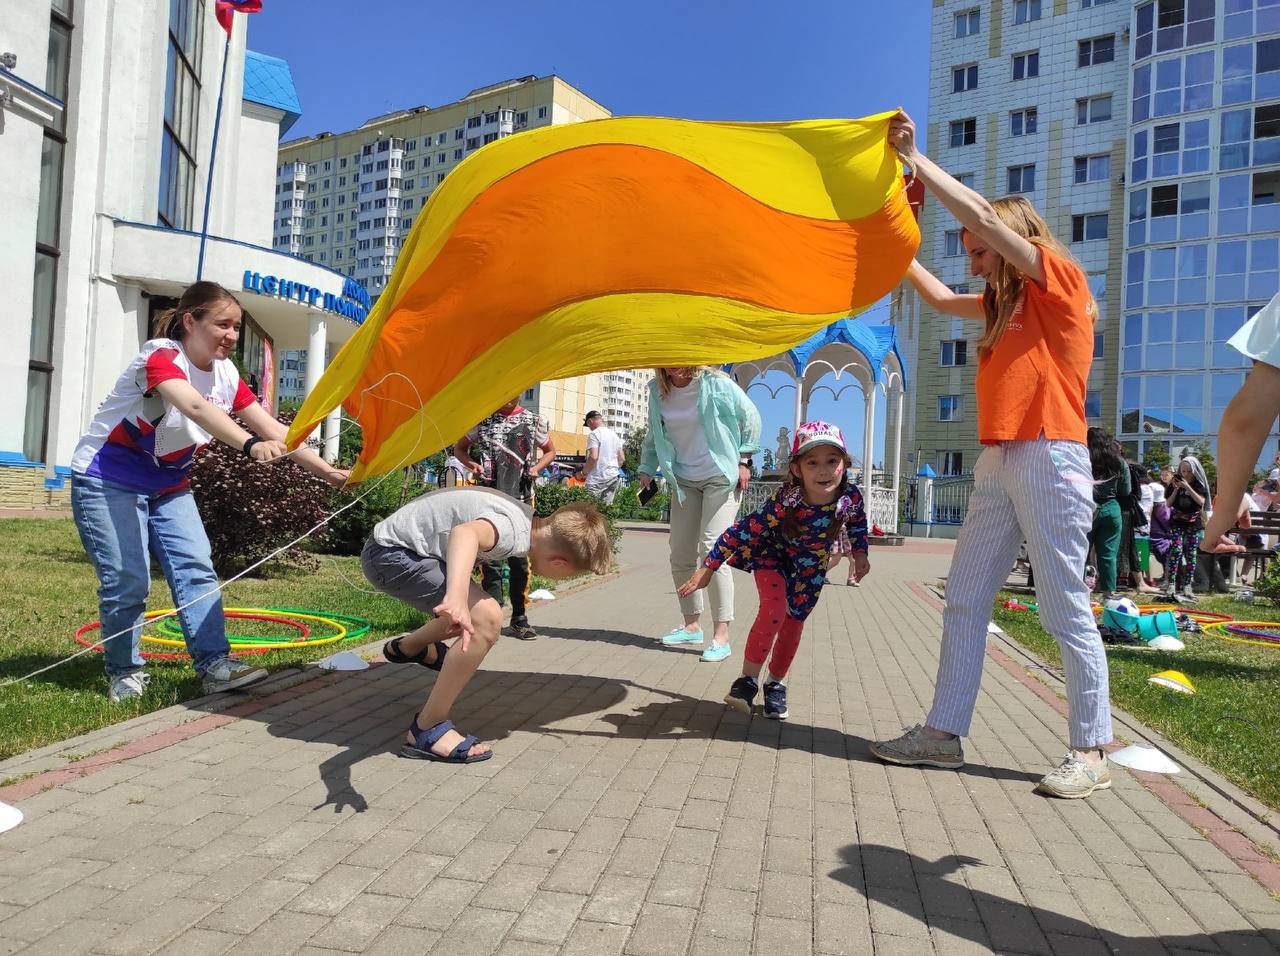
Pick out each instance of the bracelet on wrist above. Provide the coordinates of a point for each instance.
(249, 442)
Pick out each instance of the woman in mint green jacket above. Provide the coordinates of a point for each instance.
(702, 432)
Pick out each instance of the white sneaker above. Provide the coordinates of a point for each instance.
(226, 673)
(1074, 779)
(128, 686)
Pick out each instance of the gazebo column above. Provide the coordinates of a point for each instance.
(899, 401)
(868, 435)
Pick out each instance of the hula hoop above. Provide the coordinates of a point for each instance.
(1214, 628)
(155, 655)
(170, 627)
(269, 645)
(1240, 630)
(357, 626)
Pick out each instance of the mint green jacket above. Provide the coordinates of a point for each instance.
(730, 422)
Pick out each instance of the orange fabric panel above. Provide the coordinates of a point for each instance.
(587, 222)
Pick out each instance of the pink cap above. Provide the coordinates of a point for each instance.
(816, 433)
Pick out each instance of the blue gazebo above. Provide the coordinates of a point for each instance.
(868, 355)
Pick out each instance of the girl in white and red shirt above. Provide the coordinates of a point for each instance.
(130, 496)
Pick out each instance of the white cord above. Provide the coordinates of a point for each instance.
(273, 554)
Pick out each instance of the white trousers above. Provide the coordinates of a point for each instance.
(708, 508)
(1040, 491)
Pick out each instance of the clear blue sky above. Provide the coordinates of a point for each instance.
(700, 59)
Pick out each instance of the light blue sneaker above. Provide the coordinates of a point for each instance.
(680, 636)
(716, 653)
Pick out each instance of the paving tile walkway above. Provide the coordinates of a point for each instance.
(625, 811)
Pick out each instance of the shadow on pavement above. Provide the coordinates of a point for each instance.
(933, 893)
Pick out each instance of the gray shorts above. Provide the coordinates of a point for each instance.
(418, 581)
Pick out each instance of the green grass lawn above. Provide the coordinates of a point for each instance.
(50, 590)
(1232, 723)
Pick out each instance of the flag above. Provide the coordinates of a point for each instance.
(223, 10)
(612, 244)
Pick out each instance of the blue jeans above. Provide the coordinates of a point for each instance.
(120, 529)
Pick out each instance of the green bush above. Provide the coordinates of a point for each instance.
(350, 529)
(550, 497)
(626, 503)
(1268, 585)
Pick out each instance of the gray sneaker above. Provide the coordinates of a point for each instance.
(1075, 779)
(226, 673)
(914, 749)
(128, 686)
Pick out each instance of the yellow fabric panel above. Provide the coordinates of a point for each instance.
(566, 342)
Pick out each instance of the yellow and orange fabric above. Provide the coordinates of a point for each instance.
(619, 243)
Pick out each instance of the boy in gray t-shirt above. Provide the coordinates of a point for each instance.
(423, 555)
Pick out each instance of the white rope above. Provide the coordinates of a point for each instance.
(257, 564)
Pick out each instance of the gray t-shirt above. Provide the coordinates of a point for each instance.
(423, 525)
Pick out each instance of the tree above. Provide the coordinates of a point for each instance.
(1155, 456)
(631, 448)
(1202, 451)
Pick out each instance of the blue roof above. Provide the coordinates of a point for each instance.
(268, 81)
(873, 341)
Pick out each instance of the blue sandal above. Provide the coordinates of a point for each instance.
(424, 740)
(391, 651)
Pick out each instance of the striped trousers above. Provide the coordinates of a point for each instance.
(1041, 492)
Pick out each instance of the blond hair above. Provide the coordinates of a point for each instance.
(664, 381)
(580, 533)
(1004, 289)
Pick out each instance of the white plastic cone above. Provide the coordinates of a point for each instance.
(542, 594)
(344, 661)
(1165, 643)
(10, 817)
(1139, 757)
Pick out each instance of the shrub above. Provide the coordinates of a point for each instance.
(250, 509)
(349, 530)
(550, 497)
(1268, 585)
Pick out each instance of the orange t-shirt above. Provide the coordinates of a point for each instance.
(1032, 382)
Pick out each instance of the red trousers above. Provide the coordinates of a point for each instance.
(774, 629)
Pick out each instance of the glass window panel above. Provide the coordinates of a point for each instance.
(1162, 263)
(50, 191)
(1223, 387)
(1136, 266)
(1133, 358)
(1193, 261)
(56, 70)
(1137, 205)
(36, 425)
(1194, 197)
(1160, 327)
(1231, 258)
(1188, 391)
(1130, 388)
(1263, 255)
(42, 307)
(1237, 74)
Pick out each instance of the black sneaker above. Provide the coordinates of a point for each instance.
(520, 628)
(742, 695)
(775, 700)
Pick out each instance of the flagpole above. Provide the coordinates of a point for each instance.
(213, 152)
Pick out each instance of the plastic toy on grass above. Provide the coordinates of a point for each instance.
(1173, 680)
(1012, 605)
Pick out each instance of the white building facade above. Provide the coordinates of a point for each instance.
(626, 399)
(105, 144)
(1203, 212)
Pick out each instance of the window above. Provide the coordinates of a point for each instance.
(964, 132)
(952, 243)
(1093, 403)
(473, 142)
(1097, 51)
(949, 463)
(964, 78)
(968, 23)
(440, 138)
(457, 154)
(1093, 109)
(1026, 65)
(1089, 227)
(439, 178)
(542, 112)
(473, 122)
(950, 408)
(965, 179)
(490, 137)
(1022, 179)
(522, 118)
(442, 158)
(181, 113)
(1175, 24)
(491, 117)
(1022, 122)
(1024, 11)
(1086, 4)
(44, 308)
(1092, 169)
(952, 353)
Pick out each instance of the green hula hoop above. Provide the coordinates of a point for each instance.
(356, 627)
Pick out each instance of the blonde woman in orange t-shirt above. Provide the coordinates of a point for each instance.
(1033, 482)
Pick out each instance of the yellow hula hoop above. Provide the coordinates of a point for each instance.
(1216, 626)
(342, 630)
